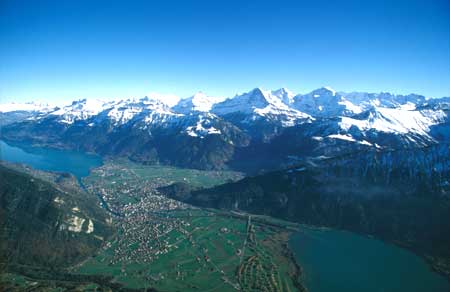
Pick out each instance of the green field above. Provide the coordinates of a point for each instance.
(121, 169)
(207, 255)
(185, 249)
(170, 246)
(15, 282)
(122, 182)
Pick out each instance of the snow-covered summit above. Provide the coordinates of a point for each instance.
(261, 103)
(284, 94)
(203, 126)
(384, 99)
(244, 103)
(81, 109)
(394, 120)
(324, 102)
(123, 111)
(199, 102)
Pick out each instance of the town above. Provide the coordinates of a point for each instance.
(170, 245)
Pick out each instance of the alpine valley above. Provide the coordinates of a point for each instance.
(206, 192)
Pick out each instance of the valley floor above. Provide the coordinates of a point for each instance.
(197, 250)
(167, 245)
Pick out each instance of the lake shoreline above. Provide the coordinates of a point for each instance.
(35, 144)
(313, 234)
(45, 158)
(428, 259)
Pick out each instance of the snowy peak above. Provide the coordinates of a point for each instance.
(123, 111)
(254, 100)
(326, 102)
(203, 127)
(244, 103)
(118, 111)
(323, 91)
(80, 110)
(328, 88)
(259, 104)
(149, 103)
(199, 102)
(257, 98)
(323, 102)
(383, 111)
(394, 120)
(286, 96)
(437, 103)
(384, 99)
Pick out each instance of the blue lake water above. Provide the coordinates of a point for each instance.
(336, 260)
(77, 163)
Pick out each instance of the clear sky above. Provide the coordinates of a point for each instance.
(52, 50)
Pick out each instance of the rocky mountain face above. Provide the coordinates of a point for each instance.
(402, 196)
(251, 131)
(44, 225)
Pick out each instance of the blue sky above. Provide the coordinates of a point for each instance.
(52, 50)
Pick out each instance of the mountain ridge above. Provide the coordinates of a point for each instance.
(218, 132)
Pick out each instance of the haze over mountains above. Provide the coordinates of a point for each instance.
(212, 133)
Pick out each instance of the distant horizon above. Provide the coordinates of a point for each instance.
(158, 95)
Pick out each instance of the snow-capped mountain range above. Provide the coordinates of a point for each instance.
(385, 112)
(324, 117)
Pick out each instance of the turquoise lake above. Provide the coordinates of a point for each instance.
(77, 163)
(335, 260)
